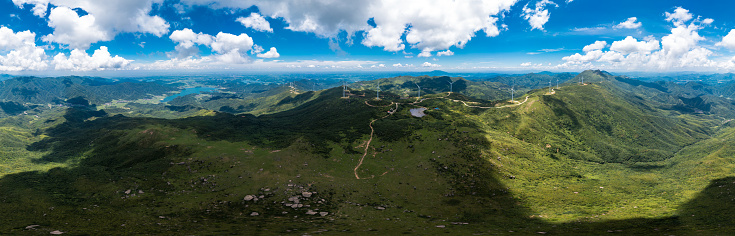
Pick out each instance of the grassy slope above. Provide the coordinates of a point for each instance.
(492, 170)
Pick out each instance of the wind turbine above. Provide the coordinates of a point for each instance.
(582, 78)
(550, 86)
(377, 94)
(344, 88)
(451, 84)
(512, 93)
(557, 83)
(417, 85)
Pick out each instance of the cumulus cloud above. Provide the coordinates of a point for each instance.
(105, 19)
(629, 24)
(39, 6)
(728, 41)
(22, 52)
(427, 64)
(272, 53)
(425, 54)
(427, 25)
(526, 64)
(79, 60)
(630, 45)
(186, 41)
(227, 49)
(539, 15)
(255, 21)
(598, 45)
(225, 43)
(445, 53)
(679, 16)
(73, 30)
(679, 49)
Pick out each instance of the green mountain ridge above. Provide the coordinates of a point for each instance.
(610, 155)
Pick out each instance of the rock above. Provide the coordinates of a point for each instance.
(380, 208)
(254, 214)
(294, 206)
(56, 232)
(323, 213)
(127, 191)
(248, 197)
(32, 226)
(306, 194)
(310, 212)
(140, 191)
(441, 226)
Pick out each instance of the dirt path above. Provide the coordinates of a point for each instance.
(367, 145)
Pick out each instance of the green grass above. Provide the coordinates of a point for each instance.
(657, 172)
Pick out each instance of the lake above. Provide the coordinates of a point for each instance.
(187, 92)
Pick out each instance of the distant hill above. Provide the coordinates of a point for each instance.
(55, 90)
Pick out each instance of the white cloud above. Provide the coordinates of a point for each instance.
(81, 61)
(598, 45)
(73, 30)
(445, 53)
(22, 52)
(272, 53)
(228, 49)
(256, 21)
(398, 65)
(629, 24)
(427, 64)
(39, 6)
(225, 43)
(434, 24)
(526, 64)
(728, 41)
(425, 54)
(679, 17)
(630, 45)
(538, 16)
(257, 49)
(186, 41)
(680, 49)
(105, 19)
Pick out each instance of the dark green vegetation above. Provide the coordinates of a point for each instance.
(614, 155)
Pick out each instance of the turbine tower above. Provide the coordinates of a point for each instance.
(344, 88)
(377, 94)
(512, 93)
(417, 85)
(557, 83)
(451, 84)
(550, 86)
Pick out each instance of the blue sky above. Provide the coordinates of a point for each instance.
(59, 37)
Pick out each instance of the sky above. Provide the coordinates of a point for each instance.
(78, 37)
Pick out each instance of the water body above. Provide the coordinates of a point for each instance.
(418, 112)
(187, 92)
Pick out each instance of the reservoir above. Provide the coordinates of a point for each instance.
(418, 112)
(187, 92)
